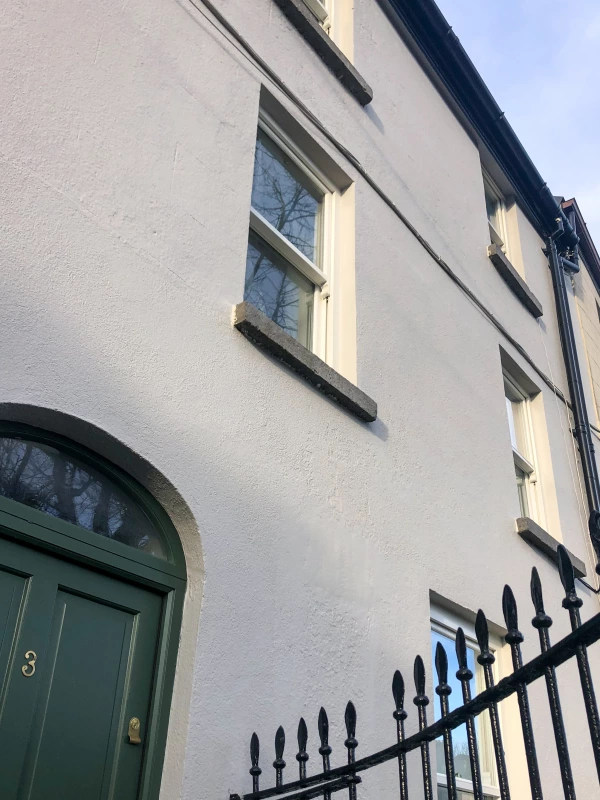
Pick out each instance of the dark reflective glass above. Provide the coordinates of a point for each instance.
(277, 289)
(462, 765)
(42, 477)
(284, 196)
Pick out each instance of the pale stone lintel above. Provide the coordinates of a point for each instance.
(267, 334)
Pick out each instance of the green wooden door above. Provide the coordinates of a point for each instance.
(77, 662)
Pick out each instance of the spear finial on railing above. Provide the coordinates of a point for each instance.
(400, 715)
(422, 701)
(567, 577)
(443, 690)
(511, 618)
(325, 749)
(302, 755)
(398, 695)
(486, 657)
(279, 763)
(255, 770)
(541, 619)
(464, 673)
(351, 743)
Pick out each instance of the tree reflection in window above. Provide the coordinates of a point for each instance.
(42, 477)
(285, 197)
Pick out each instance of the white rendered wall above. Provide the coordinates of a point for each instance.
(126, 155)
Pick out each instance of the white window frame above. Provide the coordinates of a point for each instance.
(498, 237)
(321, 275)
(526, 462)
(321, 10)
(447, 622)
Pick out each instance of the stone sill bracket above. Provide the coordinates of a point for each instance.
(536, 536)
(514, 281)
(268, 335)
(301, 18)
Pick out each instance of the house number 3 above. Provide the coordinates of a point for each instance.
(28, 669)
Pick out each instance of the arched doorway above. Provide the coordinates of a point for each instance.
(92, 578)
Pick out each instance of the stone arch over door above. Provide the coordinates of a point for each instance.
(97, 447)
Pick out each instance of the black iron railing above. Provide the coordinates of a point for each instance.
(347, 777)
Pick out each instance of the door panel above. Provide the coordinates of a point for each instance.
(84, 674)
(12, 595)
(95, 639)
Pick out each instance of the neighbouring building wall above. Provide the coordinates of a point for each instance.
(588, 314)
(126, 171)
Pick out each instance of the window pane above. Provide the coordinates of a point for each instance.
(462, 765)
(284, 196)
(461, 795)
(42, 477)
(517, 421)
(522, 491)
(511, 423)
(277, 289)
(493, 208)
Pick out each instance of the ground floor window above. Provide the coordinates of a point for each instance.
(444, 625)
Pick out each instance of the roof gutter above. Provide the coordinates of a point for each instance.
(438, 43)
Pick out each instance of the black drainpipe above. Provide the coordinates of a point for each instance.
(582, 429)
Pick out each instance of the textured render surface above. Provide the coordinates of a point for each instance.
(299, 15)
(267, 334)
(538, 537)
(514, 281)
(126, 161)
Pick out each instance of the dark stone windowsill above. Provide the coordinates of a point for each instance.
(541, 539)
(301, 18)
(267, 334)
(514, 281)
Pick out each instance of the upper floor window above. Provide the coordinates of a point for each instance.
(496, 212)
(443, 630)
(521, 437)
(290, 242)
(322, 11)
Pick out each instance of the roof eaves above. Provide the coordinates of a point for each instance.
(435, 39)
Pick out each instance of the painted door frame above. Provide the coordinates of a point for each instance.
(168, 577)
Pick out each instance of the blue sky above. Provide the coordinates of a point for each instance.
(541, 61)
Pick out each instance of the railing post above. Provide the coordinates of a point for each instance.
(465, 676)
(255, 770)
(400, 715)
(486, 658)
(325, 749)
(542, 623)
(302, 755)
(351, 743)
(573, 603)
(443, 690)
(422, 701)
(279, 763)
(514, 637)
